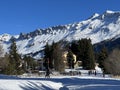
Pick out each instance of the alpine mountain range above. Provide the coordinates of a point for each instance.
(100, 28)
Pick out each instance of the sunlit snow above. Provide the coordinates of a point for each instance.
(97, 28)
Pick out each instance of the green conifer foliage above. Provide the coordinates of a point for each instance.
(29, 64)
(14, 66)
(70, 59)
(47, 54)
(53, 57)
(86, 54)
(102, 57)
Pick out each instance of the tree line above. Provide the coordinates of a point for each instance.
(13, 63)
(83, 50)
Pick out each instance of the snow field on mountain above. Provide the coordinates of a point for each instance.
(98, 28)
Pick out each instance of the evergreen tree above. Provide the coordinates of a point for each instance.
(70, 59)
(53, 57)
(29, 64)
(47, 54)
(74, 47)
(14, 59)
(86, 54)
(91, 57)
(102, 57)
(57, 52)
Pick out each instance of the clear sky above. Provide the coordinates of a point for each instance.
(18, 16)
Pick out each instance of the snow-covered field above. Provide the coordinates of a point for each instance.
(59, 83)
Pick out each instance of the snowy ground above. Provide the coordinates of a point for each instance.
(59, 83)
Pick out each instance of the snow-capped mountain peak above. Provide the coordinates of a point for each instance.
(109, 12)
(94, 16)
(5, 37)
(97, 28)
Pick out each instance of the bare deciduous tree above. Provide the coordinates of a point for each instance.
(1, 50)
(4, 63)
(112, 63)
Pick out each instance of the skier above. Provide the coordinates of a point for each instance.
(47, 75)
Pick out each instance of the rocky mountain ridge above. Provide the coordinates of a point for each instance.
(98, 28)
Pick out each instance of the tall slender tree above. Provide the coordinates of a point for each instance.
(74, 47)
(14, 59)
(47, 54)
(86, 54)
(102, 56)
(53, 57)
(70, 59)
(58, 59)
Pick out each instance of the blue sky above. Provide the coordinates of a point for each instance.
(18, 16)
